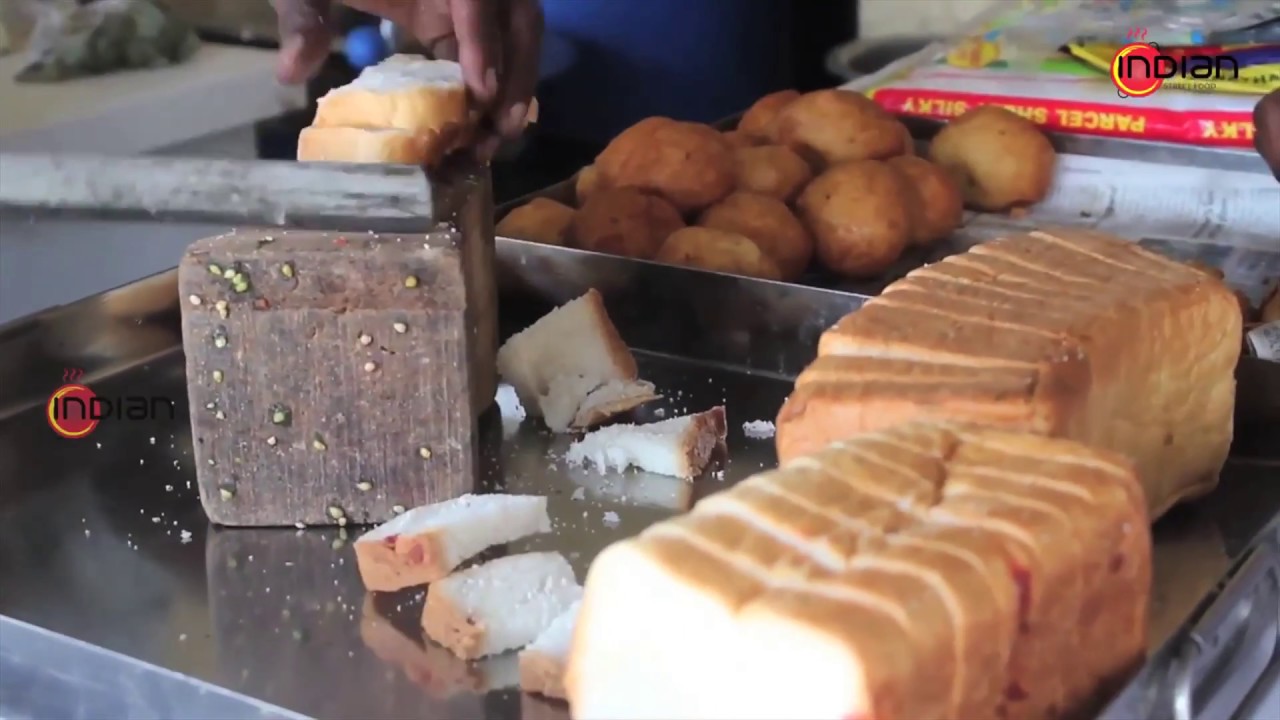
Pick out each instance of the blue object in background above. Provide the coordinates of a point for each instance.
(699, 60)
(365, 46)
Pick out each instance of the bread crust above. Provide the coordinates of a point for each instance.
(400, 561)
(542, 674)
(447, 624)
(360, 145)
(417, 110)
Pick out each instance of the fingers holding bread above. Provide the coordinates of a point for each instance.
(406, 109)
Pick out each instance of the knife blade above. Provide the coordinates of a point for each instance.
(338, 197)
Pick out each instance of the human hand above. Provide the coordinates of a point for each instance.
(1266, 130)
(497, 44)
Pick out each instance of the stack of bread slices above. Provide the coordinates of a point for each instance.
(405, 110)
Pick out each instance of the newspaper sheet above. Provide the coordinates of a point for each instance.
(1227, 219)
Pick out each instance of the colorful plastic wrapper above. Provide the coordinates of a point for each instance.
(1051, 62)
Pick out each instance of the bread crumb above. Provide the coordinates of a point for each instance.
(759, 429)
(611, 518)
(579, 494)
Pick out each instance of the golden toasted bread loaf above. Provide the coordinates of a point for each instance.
(1064, 333)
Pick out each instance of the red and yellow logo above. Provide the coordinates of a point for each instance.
(1136, 79)
(69, 407)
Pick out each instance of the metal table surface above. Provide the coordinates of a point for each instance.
(103, 541)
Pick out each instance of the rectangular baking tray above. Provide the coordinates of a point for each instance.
(102, 540)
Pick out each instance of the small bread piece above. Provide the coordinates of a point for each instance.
(575, 339)
(501, 605)
(624, 221)
(368, 145)
(771, 170)
(428, 542)
(679, 447)
(542, 664)
(576, 402)
(739, 139)
(758, 121)
(832, 126)
(861, 216)
(718, 251)
(941, 208)
(540, 220)
(1061, 333)
(404, 92)
(1000, 159)
(690, 165)
(586, 183)
(768, 223)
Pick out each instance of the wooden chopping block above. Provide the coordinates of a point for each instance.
(336, 378)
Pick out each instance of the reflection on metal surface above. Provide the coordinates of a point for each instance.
(45, 675)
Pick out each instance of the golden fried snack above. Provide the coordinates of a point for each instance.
(587, 182)
(999, 158)
(771, 170)
(908, 143)
(941, 207)
(624, 221)
(768, 223)
(691, 165)
(739, 139)
(718, 250)
(830, 126)
(758, 120)
(860, 215)
(540, 220)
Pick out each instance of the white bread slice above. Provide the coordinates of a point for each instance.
(501, 605)
(576, 340)
(367, 145)
(577, 402)
(680, 446)
(428, 542)
(404, 92)
(542, 663)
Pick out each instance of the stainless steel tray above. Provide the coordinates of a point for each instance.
(92, 542)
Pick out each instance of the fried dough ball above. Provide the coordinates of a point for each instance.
(860, 214)
(999, 158)
(624, 221)
(718, 250)
(586, 183)
(768, 223)
(739, 139)
(941, 208)
(908, 142)
(758, 120)
(690, 165)
(831, 126)
(540, 220)
(771, 170)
